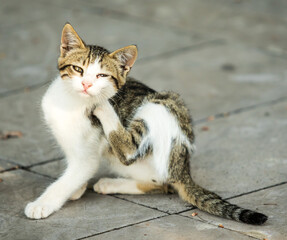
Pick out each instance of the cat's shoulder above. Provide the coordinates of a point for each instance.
(133, 85)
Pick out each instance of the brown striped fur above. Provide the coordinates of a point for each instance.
(125, 142)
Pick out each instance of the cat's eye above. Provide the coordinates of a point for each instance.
(77, 69)
(102, 75)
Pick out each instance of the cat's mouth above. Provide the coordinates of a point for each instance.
(85, 93)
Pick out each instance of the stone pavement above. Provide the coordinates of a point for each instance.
(227, 58)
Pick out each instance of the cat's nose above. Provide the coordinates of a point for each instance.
(86, 84)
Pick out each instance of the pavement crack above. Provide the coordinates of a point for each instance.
(256, 190)
(118, 228)
(34, 172)
(24, 168)
(45, 162)
(240, 110)
(140, 204)
(15, 167)
(20, 166)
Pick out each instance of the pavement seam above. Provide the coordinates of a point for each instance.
(118, 228)
(20, 166)
(36, 173)
(257, 190)
(9, 161)
(45, 162)
(140, 204)
(240, 110)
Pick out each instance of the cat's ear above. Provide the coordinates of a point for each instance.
(70, 40)
(126, 56)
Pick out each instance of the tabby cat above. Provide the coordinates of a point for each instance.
(103, 119)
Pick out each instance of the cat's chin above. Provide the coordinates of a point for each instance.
(85, 94)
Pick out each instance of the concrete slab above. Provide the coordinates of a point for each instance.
(29, 51)
(22, 113)
(13, 13)
(270, 201)
(259, 23)
(217, 78)
(92, 214)
(171, 227)
(242, 152)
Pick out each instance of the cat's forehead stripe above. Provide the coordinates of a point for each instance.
(97, 52)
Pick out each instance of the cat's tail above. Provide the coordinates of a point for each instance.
(214, 204)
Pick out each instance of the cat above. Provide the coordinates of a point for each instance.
(103, 119)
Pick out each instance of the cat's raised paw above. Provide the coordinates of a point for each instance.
(35, 210)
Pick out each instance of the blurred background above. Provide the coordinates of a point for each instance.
(220, 55)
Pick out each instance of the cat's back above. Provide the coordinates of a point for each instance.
(135, 97)
(129, 98)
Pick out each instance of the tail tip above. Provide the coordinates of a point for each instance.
(254, 218)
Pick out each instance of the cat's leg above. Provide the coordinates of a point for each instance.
(124, 142)
(60, 191)
(128, 186)
(79, 193)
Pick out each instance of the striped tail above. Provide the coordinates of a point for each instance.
(214, 204)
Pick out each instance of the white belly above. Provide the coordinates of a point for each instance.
(141, 170)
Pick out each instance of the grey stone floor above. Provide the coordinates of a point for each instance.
(227, 58)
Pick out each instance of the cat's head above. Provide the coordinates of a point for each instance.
(92, 71)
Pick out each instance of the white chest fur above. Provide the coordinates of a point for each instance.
(65, 114)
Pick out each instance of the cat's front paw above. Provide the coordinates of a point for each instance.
(37, 210)
(104, 186)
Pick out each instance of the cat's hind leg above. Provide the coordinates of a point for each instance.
(128, 186)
